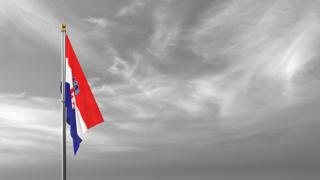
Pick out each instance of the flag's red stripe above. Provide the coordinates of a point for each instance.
(85, 100)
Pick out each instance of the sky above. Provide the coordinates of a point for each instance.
(205, 89)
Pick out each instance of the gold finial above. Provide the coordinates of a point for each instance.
(63, 27)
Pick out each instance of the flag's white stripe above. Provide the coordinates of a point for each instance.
(68, 74)
(81, 127)
(80, 123)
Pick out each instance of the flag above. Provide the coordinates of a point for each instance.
(82, 111)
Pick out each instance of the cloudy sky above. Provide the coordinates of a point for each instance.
(189, 89)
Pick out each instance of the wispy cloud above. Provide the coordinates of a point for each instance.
(100, 22)
(165, 34)
(33, 18)
(29, 125)
(130, 9)
(262, 64)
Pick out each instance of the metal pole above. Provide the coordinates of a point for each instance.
(63, 81)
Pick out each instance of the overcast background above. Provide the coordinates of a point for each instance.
(189, 89)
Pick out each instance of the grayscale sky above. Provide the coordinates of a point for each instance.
(189, 89)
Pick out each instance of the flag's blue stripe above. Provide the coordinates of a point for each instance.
(71, 119)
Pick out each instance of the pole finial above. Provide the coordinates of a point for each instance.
(63, 27)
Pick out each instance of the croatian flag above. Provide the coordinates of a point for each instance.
(81, 107)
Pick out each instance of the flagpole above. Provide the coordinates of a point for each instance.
(63, 81)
